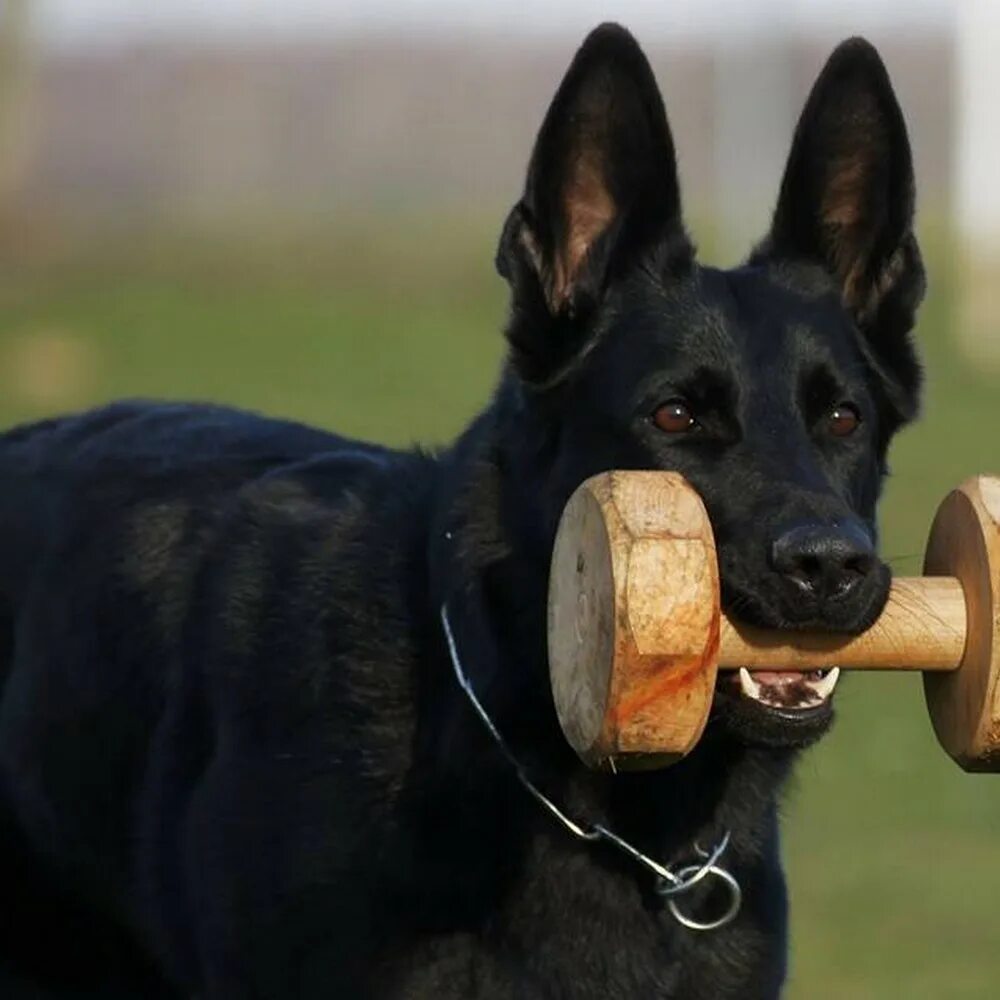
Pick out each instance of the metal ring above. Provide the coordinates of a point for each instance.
(680, 885)
(736, 898)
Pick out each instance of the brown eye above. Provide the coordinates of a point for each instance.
(674, 417)
(844, 419)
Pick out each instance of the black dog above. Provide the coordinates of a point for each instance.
(236, 761)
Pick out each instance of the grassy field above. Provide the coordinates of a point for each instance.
(893, 853)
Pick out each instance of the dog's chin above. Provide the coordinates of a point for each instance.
(788, 712)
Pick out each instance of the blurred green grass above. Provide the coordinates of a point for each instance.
(391, 332)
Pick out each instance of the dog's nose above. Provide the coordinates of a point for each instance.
(826, 562)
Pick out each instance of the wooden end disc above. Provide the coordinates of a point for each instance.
(633, 628)
(964, 704)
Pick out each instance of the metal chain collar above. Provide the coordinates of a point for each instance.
(669, 883)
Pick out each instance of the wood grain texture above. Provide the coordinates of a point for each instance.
(638, 544)
(582, 619)
(922, 627)
(965, 705)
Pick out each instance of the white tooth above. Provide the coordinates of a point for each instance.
(750, 687)
(825, 687)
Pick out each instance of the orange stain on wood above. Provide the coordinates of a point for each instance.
(667, 680)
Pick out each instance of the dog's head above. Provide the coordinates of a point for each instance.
(774, 387)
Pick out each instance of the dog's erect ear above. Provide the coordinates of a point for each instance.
(847, 201)
(601, 186)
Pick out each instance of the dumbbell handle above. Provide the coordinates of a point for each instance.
(922, 627)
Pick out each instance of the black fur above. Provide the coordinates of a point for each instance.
(234, 761)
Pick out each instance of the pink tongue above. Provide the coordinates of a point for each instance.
(777, 676)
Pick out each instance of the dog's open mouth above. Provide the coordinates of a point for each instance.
(774, 708)
(787, 690)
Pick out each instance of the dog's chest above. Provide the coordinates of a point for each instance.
(574, 929)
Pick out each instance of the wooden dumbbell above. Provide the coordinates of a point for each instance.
(636, 634)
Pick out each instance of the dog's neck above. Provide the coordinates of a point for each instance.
(495, 550)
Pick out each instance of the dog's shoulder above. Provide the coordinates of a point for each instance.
(310, 596)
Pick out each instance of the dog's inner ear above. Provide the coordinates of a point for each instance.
(846, 209)
(588, 210)
(847, 196)
(602, 181)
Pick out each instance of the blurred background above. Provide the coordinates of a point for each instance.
(292, 205)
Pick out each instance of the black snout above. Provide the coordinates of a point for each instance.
(826, 563)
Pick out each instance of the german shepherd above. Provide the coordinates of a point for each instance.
(235, 760)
